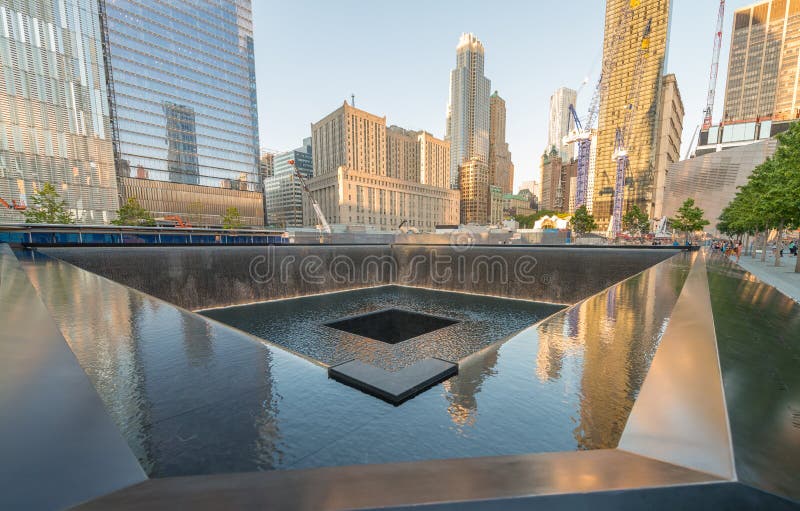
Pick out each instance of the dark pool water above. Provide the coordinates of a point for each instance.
(193, 396)
(301, 324)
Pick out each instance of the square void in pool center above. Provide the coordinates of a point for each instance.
(410, 324)
(392, 325)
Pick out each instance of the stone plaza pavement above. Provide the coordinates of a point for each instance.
(781, 277)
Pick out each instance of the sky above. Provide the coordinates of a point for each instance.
(396, 58)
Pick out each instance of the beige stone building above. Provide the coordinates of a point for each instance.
(402, 153)
(668, 148)
(434, 160)
(473, 183)
(501, 169)
(352, 197)
(366, 173)
(351, 138)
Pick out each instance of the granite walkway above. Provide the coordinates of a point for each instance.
(781, 277)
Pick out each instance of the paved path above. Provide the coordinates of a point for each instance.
(782, 277)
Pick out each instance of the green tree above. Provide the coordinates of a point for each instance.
(689, 218)
(771, 197)
(582, 222)
(48, 208)
(132, 213)
(636, 221)
(232, 219)
(782, 187)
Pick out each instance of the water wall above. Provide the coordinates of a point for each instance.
(206, 277)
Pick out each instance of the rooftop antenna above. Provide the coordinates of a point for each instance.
(352, 100)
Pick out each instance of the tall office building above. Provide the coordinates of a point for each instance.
(368, 174)
(266, 164)
(763, 63)
(501, 169)
(283, 192)
(475, 194)
(54, 118)
(559, 121)
(670, 130)
(184, 99)
(352, 138)
(762, 93)
(558, 182)
(643, 136)
(468, 109)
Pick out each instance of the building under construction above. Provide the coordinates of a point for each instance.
(634, 85)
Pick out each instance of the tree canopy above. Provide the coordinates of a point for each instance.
(47, 207)
(771, 197)
(132, 213)
(689, 218)
(232, 219)
(636, 221)
(582, 222)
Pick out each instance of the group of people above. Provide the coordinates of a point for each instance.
(728, 248)
(731, 248)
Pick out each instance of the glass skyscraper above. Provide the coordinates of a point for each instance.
(184, 97)
(54, 114)
(283, 192)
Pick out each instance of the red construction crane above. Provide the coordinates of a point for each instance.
(19, 206)
(712, 78)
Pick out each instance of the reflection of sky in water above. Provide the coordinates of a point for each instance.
(192, 396)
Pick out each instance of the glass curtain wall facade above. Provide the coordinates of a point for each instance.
(54, 115)
(184, 95)
(283, 192)
(763, 63)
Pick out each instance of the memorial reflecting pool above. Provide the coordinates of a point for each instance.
(193, 396)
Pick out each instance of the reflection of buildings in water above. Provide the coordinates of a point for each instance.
(99, 324)
(134, 348)
(198, 342)
(556, 341)
(461, 390)
(267, 443)
(618, 353)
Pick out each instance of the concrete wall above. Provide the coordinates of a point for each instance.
(205, 277)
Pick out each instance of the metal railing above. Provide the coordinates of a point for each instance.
(42, 235)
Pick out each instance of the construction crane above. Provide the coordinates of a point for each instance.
(712, 78)
(179, 222)
(623, 133)
(326, 228)
(19, 206)
(582, 133)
